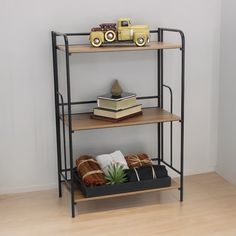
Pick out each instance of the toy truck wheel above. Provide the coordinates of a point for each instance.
(96, 42)
(140, 41)
(110, 36)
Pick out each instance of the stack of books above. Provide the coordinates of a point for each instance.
(117, 108)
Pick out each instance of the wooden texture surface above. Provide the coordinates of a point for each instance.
(79, 197)
(209, 209)
(86, 48)
(150, 115)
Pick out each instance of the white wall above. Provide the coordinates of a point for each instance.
(226, 164)
(28, 147)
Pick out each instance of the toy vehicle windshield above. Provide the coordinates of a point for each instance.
(124, 23)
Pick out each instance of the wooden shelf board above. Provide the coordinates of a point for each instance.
(79, 197)
(87, 48)
(150, 116)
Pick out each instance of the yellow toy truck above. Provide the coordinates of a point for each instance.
(122, 31)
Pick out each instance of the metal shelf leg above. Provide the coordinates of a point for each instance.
(58, 133)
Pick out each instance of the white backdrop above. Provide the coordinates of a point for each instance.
(226, 164)
(28, 144)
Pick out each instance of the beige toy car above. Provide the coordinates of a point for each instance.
(122, 31)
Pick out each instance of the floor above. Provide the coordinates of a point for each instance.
(209, 208)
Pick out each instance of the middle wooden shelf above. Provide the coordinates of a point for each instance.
(83, 121)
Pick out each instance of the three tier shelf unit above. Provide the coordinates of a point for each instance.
(82, 121)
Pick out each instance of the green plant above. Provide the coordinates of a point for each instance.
(115, 174)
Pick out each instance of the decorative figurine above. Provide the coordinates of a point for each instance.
(116, 89)
(122, 31)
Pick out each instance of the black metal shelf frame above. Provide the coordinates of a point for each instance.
(65, 174)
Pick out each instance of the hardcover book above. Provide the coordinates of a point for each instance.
(115, 120)
(101, 112)
(123, 96)
(117, 105)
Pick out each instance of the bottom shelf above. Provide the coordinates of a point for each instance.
(79, 197)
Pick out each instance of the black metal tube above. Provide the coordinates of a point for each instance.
(182, 115)
(59, 34)
(79, 103)
(65, 181)
(182, 107)
(64, 133)
(154, 32)
(94, 101)
(167, 164)
(162, 68)
(78, 34)
(64, 178)
(162, 97)
(171, 167)
(171, 143)
(63, 170)
(57, 115)
(160, 94)
(171, 96)
(159, 98)
(172, 30)
(69, 124)
(171, 124)
(88, 33)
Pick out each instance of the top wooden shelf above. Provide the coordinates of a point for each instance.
(86, 48)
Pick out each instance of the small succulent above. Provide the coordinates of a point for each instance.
(115, 174)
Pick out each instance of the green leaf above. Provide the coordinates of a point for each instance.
(115, 174)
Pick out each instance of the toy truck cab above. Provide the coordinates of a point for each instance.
(139, 34)
(122, 31)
